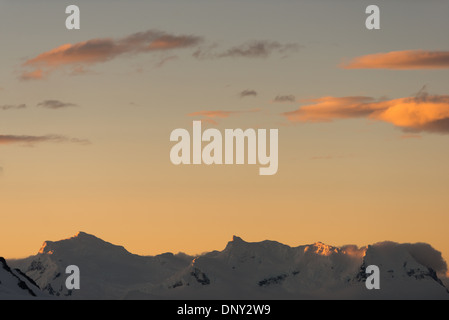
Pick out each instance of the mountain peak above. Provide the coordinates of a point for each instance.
(237, 239)
(81, 242)
(321, 248)
(85, 235)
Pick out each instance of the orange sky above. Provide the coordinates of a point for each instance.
(86, 116)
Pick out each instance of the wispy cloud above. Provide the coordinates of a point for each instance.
(284, 98)
(13, 106)
(423, 112)
(256, 49)
(77, 56)
(326, 109)
(55, 104)
(35, 74)
(401, 60)
(248, 93)
(165, 60)
(251, 49)
(32, 140)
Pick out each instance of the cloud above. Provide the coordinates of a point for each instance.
(423, 253)
(426, 255)
(210, 116)
(55, 104)
(81, 54)
(415, 114)
(401, 60)
(247, 93)
(422, 113)
(251, 49)
(285, 98)
(256, 49)
(13, 106)
(36, 74)
(32, 140)
(326, 109)
(164, 60)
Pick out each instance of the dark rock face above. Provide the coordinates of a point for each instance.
(200, 277)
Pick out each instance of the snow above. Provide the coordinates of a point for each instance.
(242, 270)
(14, 285)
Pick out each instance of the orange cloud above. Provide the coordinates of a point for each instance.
(326, 109)
(424, 112)
(32, 75)
(401, 60)
(101, 50)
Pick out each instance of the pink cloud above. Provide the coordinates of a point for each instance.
(401, 60)
(77, 56)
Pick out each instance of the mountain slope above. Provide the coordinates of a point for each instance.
(16, 285)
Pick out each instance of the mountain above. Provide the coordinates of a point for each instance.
(16, 285)
(242, 270)
(106, 270)
(271, 270)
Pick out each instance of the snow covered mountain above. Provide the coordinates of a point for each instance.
(243, 270)
(270, 270)
(106, 270)
(16, 285)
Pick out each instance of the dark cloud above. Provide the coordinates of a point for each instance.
(247, 93)
(436, 126)
(256, 49)
(252, 49)
(164, 60)
(284, 98)
(55, 104)
(13, 106)
(32, 140)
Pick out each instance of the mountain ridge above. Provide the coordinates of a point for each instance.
(257, 270)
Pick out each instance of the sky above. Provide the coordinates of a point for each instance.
(86, 117)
